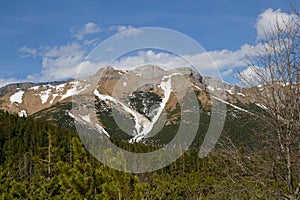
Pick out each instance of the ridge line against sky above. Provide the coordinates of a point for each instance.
(46, 42)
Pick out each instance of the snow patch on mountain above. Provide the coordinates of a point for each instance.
(234, 106)
(261, 106)
(22, 113)
(53, 98)
(230, 92)
(210, 88)
(45, 95)
(197, 87)
(102, 130)
(60, 87)
(17, 97)
(73, 116)
(76, 89)
(86, 118)
(34, 88)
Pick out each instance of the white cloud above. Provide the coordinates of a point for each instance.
(267, 20)
(91, 42)
(206, 62)
(63, 62)
(66, 61)
(27, 52)
(254, 75)
(126, 31)
(228, 72)
(59, 62)
(6, 81)
(71, 49)
(88, 28)
(110, 49)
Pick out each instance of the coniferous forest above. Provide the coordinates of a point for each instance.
(39, 160)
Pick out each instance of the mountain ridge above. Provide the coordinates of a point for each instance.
(144, 97)
(45, 94)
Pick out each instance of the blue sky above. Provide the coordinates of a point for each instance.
(37, 36)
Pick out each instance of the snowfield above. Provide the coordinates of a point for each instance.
(45, 95)
(34, 88)
(22, 113)
(17, 97)
(74, 90)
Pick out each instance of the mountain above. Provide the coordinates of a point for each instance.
(145, 104)
(29, 98)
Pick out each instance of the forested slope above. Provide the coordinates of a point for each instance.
(43, 161)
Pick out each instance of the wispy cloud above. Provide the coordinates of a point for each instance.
(87, 29)
(6, 81)
(126, 31)
(26, 52)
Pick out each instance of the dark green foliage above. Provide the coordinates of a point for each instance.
(57, 114)
(145, 103)
(39, 160)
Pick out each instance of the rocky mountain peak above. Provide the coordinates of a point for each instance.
(34, 97)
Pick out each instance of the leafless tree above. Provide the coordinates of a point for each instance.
(275, 85)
